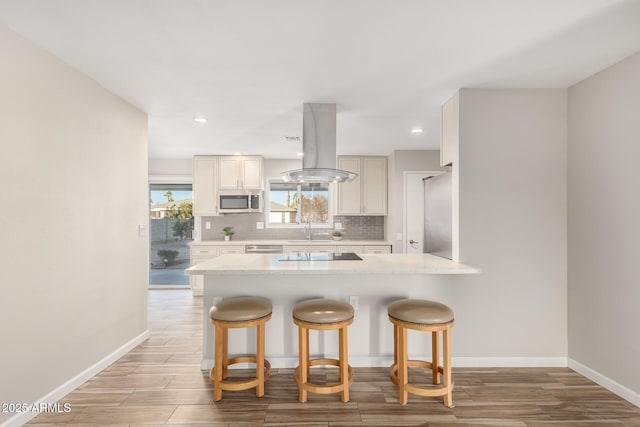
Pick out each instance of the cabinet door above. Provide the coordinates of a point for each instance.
(449, 131)
(344, 248)
(204, 251)
(231, 250)
(205, 196)
(349, 195)
(229, 176)
(252, 173)
(322, 249)
(377, 249)
(290, 249)
(374, 186)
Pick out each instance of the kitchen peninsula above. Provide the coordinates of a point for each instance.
(374, 281)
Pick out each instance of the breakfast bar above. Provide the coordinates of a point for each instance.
(369, 283)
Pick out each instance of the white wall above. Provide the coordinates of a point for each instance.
(512, 161)
(73, 270)
(273, 167)
(401, 161)
(604, 218)
(172, 167)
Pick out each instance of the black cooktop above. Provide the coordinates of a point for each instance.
(316, 256)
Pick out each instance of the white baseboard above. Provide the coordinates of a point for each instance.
(59, 392)
(457, 362)
(606, 382)
(509, 362)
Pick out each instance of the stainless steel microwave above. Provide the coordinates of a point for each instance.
(243, 202)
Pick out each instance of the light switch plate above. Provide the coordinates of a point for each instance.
(207, 225)
(142, 230)
(399, 237)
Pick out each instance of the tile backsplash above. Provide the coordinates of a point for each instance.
(244, 226)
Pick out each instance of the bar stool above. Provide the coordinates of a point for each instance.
(322, 315)
(239, 312)
(421, 315)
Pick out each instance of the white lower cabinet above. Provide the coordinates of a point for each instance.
(294, 248)
(231, 250)
(203, 253)
(355, 249)
(377, 249)
(324, 249)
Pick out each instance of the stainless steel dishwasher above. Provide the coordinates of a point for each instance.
(263, 249)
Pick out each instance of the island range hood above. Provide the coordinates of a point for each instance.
(319, 147)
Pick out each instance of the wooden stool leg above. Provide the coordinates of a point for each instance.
(217, 363)
(395, 345)
(303, 369)
(260, 359)
(402, 365)
(435, 357)
(344, 363)
(447, 378)
(225, 353)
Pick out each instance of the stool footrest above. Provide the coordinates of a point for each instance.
(328, 388)
(431, 391)
(241, 384)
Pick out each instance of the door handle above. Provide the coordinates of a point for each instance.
(413, 242)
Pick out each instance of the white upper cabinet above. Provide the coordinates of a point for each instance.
(367, 194)
(252, 176)
(240, 173)
(450, 121)
(374, 186)
(349, 193)
(205, 194)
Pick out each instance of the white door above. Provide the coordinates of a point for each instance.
(414, 211)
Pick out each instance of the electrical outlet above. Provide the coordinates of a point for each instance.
(337, 225)
(354, 301)
(259, 225)
(207, 225)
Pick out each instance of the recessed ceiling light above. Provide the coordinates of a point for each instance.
(300, 154)
(416, 130)
(237, 154)
(200, 120)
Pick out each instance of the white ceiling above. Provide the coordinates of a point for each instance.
(249, 65)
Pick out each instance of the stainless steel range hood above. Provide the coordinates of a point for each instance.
(319, 147)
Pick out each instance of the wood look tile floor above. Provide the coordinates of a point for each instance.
(160, 383)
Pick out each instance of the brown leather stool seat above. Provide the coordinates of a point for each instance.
(322, 314)
(422, 315)
(239, 312)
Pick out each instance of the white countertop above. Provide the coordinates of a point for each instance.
(247, 264)
(290, 242)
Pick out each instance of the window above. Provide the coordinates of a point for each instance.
(294, 204)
